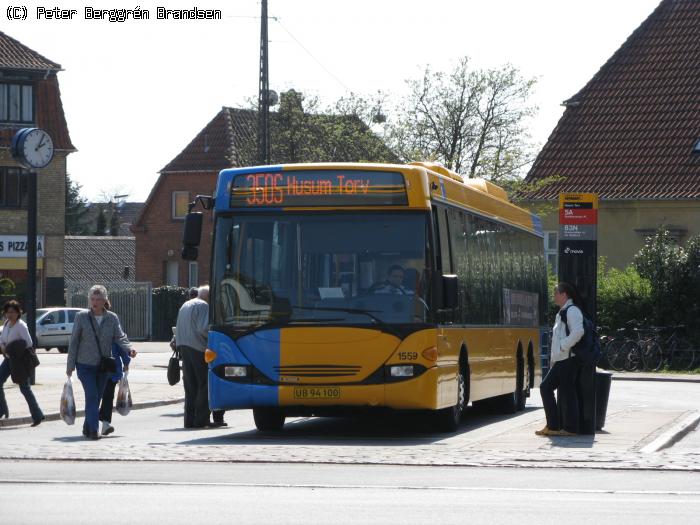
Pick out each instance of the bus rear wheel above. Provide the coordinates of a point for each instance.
(448, 419)
(268, 419)
(522, 383)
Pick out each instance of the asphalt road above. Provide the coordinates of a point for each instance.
(167, 492)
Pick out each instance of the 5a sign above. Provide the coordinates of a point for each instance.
(16, 246)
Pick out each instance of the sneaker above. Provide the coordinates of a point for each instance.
(37, 422)
(217, 424)
(107, 428)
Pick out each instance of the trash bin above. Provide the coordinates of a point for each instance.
(603, 380)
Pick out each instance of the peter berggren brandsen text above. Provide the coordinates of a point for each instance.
(122, 15)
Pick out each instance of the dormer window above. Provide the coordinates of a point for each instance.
(16, 103)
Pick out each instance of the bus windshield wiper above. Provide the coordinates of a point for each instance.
(383, 326)
(280, 323)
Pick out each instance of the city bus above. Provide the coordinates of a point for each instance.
(348, 287)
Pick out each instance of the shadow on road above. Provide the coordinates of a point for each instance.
(371, 430)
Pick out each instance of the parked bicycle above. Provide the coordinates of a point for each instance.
(619, 351)
(675, 351)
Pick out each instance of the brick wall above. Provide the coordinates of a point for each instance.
(51, 187)
(159, 236)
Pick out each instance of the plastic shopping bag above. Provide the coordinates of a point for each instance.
(124, 402)
(68, 403)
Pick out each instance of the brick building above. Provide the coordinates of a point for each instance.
(632, 135)
(229, 141)
(30, 97)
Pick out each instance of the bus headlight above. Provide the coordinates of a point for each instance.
(401, 371)
(235, 371)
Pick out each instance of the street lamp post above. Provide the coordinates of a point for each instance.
(33, 149)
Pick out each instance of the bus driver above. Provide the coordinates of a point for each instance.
(393, 283)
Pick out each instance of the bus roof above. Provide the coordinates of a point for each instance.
(315, 186)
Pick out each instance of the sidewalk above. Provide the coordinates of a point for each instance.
(649, 376)
(147, 382)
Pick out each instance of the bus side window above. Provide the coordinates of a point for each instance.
(444, 232)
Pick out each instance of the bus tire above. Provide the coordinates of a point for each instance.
(507, 403)
(521, 388)
(448, 419)
(268, 419)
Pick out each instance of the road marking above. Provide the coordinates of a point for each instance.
(331, 486)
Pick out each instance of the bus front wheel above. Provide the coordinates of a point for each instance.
(268, 419)
(448, 419)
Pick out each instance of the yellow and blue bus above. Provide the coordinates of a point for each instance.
(343, 287)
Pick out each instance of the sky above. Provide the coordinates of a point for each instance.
(136, 93)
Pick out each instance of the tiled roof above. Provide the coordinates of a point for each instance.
(99, 259)
(230, 140)
(214, 146)
(630, 132)
(15, 55)
(127, 212)
(49, 109)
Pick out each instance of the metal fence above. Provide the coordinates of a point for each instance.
(130, 301)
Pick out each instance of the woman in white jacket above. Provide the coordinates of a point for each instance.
(564, 366)
(15, 331)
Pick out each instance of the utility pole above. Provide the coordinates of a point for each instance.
(263, 94)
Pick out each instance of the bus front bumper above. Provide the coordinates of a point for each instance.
(430, 390)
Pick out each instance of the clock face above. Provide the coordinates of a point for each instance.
(36, 148)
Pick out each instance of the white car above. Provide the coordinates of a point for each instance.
(54, 327)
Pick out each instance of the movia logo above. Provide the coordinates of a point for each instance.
(573, 250)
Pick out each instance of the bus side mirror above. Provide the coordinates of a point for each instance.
(192, 234)
(450, 292)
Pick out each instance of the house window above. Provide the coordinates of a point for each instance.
(172, 270)
(551, 251)
(16, 103)
(181, 201)
(193, 274)
(13, 188)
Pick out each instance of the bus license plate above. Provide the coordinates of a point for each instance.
(316, 392)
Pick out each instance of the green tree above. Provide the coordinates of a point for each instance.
(674, 274)
(114, 222)
(622, 295)
(304, 130)
(101, 223)
(77, 211)
(470, 120)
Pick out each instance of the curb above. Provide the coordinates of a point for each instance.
(659, 379)
(55, 416)
(674, 434)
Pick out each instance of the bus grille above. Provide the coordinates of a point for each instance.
(318, 370)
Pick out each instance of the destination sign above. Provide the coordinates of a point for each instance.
(319, 188)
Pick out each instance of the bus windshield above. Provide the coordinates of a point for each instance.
(366, 268)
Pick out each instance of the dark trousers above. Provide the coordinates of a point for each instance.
(562, 378)
(194, 377)
(24, 387)
(108, 401)
(93, 382)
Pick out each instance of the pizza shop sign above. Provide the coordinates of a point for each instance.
(16, 246)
